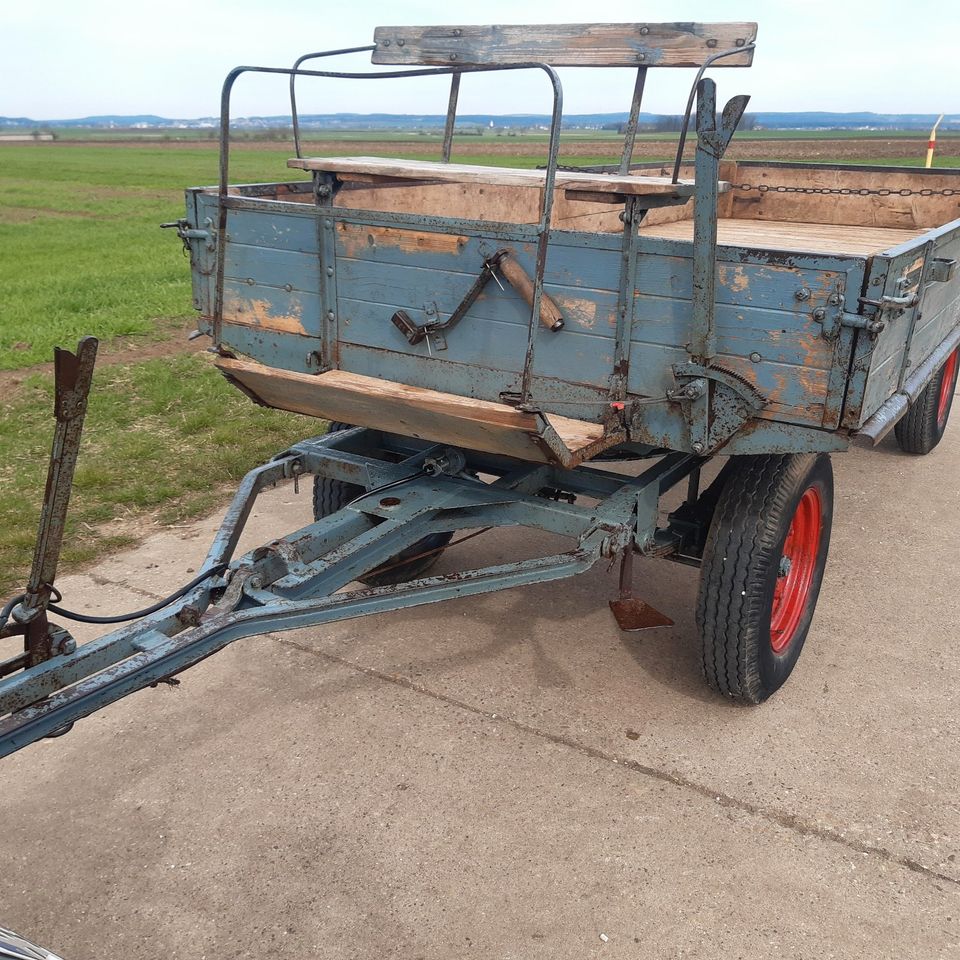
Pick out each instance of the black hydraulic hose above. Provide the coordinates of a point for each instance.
(146, 611)
(19, 598)
(8, 607)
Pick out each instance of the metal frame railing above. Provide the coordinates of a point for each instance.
(702, 255)
(546, 204)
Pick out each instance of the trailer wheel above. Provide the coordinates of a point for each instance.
(921, 429)
(331, 495)
(762, 569)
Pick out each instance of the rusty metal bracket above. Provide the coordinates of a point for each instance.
(187, 233)
(416, 333)
(715, 403)
(73, 374)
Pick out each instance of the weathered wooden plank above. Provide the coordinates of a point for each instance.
(470, 201)
(566, 44)
(347, 167)
(410, 411)
(857, 241)
(266, 307)
(506, 204)
(494, 331)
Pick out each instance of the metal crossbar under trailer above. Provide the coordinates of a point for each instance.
(417, 492)
(483, 340)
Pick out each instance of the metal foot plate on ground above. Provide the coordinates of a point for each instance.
(632, 615)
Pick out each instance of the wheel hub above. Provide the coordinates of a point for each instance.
(946, 388)
(796, 571)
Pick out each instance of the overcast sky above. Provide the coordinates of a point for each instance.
(61, 59)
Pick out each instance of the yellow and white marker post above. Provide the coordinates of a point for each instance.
(932, 142)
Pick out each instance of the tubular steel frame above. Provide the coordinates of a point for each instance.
(546, 202)
(292, 582)
(707, 168)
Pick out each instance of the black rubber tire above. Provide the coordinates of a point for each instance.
(920, 429)
(330, 495)
(742, 564)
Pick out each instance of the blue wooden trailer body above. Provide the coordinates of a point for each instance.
(312, 287)
(483, 339)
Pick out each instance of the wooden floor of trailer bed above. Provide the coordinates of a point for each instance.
(825, 238)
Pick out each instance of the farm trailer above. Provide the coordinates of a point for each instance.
(483, 339)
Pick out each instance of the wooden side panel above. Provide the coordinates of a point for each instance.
(272, 274)
(910, 337)
(913, 211)
(566, 44)
(939, 305)
(765, 333)
(897, 275)
(497, 203)
(381, 270)
(410, 411)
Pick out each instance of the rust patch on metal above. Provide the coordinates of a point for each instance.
(632, 615)
(256, 313)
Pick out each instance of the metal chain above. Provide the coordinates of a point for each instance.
(847, 191)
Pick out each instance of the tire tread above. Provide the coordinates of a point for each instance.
(743, 537)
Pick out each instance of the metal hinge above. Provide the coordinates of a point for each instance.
(187, 233)
(831, 316)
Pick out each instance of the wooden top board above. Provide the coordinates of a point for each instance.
(371, 168)
(566, 44)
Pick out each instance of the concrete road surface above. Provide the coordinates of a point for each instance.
(511, 777)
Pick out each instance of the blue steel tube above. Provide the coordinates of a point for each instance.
(703, 344)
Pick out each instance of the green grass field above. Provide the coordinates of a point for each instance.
(82, 253)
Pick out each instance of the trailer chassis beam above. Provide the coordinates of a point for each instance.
(293, 582)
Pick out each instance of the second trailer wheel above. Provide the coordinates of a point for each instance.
(762, 568)
(922, 427)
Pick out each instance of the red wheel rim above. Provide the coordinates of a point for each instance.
(946, 387)
(798, 565)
